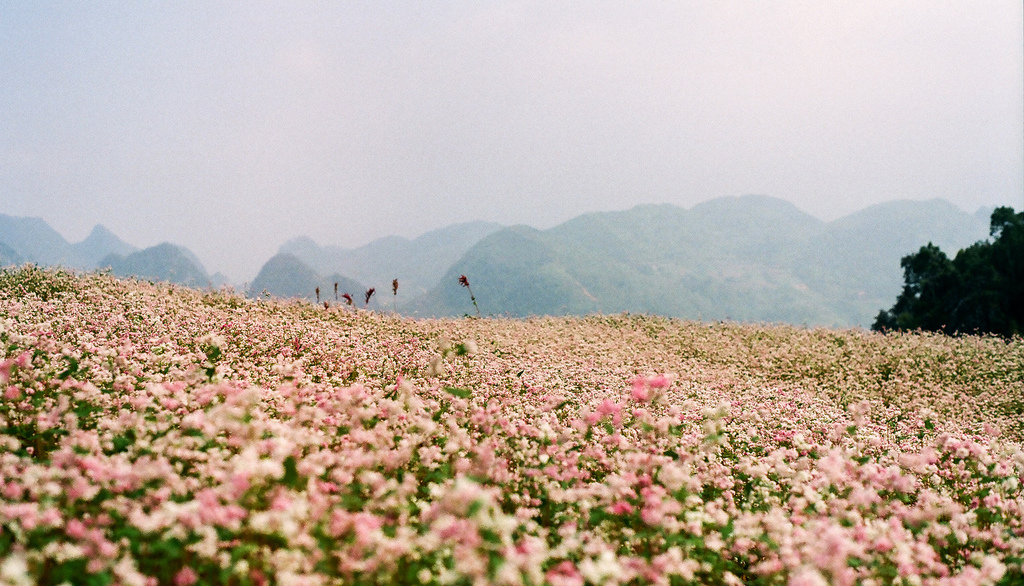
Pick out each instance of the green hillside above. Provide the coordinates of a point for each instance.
(163, 262)
(751, 258)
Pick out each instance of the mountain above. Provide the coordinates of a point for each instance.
(516, 271)
(285, 275)
(163, 262)
(750, 258)
(218, 280)
(8, 256)
(418, 264)
(856, 260)
(101, 243)
(35, 241)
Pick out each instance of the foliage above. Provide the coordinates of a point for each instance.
(981, 290)
(32, 280)
(151, 434)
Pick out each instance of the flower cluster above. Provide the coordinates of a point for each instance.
(151, 434)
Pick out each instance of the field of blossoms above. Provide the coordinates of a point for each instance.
(151, 434)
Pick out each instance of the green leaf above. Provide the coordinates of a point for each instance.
(494, 562)
(213, 353)
(124, 441)
(460, 393)
(72, 368)
(490, 536)
(291, 473)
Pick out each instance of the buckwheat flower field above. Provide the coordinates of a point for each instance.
(151, 434)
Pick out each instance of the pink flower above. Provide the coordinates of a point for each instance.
(564, 574)
(281, 503)
(807, 576)
(659, 382)
(644, 388)
(13, 490)
(620, 508)
(5, 370)
(640, 390)
(608, 408)
(365, 524)
(186, 577)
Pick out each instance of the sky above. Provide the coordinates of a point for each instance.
(231, 127)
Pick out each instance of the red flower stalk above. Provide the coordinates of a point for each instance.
(465, 283)
(335, 291)
(369, 293)
(318, 295)
(347, 298)
(394, 286)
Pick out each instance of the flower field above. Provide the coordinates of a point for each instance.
(151, 434)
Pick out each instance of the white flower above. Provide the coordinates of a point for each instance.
(602, 569)
(128, 574)
(436, 366)
(14, 571)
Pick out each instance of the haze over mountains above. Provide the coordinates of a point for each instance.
(419, 263)
(35, 241)
(749, 258)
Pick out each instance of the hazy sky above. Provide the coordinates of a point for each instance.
(231, 127)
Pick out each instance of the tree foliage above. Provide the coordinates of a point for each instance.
(981, 290)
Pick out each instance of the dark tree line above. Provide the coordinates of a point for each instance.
(981, 290)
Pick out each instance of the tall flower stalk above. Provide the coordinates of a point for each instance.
(465, 283)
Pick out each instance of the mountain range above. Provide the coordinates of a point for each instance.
(163, 262)
(420, 262)
(33, 240)
(285, 275)
(748, 258)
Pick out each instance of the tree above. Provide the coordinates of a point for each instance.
(981, 290)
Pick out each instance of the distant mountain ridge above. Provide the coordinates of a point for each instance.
(8, 256)
(285, 275)
(100, 244)
(35, 241)
(749, 258)
(163, 262)
(418, 263)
